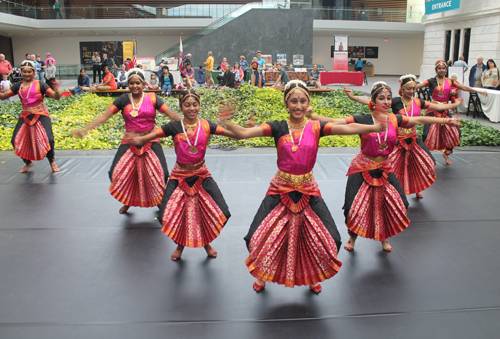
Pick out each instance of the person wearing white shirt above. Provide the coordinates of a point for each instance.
(121, 78)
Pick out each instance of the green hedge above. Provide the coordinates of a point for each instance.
(266, 104)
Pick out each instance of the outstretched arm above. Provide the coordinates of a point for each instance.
(438, 107)
(97, 121)
(423, 120)
(350, 95)
(139, 141)
(242, 132)
(469, 89)
(420, 85)
(171, 114)
(356, 129)
(312, 116)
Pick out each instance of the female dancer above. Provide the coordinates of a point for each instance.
(442, 137)
(193, 209)
(138, 174)
(375, 204)
(33, 138)
(293, 239)
(412, 162)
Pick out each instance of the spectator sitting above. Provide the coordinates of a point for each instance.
(188, 75)
(238, 74)
(153, 84)
(121, 78)
(166, 81)
(256, 79)
(227, 79)
(201, 76)
(315, 77)
(283, 78)
(108, 82)
(83, 83)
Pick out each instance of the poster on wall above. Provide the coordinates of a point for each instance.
(356, 51)
(128, 49)
(340, 62)
(371, 52)
(268, 58)
(298, 60)
(172, 63)
(341, 43)
(148, 64)
(113, 49)
(281, 59)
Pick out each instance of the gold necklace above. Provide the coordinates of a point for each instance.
(135, 109)
(406, 103)
(191, 126)
(442, 88)
(297, 126)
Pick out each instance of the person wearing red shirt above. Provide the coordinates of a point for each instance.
(5, 66)
(128, 64)
(109, 82)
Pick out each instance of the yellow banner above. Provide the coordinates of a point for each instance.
(128, 50)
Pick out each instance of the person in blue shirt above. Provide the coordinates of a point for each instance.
(38, 68)
(315, 77)
(201, 76)
(359, 64)
(166, 81)
(262, 66)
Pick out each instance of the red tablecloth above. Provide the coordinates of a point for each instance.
(353, 78)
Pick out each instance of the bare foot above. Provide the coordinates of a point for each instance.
(316, 288)
(419, 195)
(27, 167)
(124, 209)
(176, 255)
(54, 167)
(259, 285)
(386, 247)
(350, 244)
(210, 251)
(445, 156)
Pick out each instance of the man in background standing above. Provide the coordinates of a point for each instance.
(38, 68)
(96, 67)
(262, 66)
(209, 67)
(476, 72)
(5, 66)
(42, 68)
(461, 63)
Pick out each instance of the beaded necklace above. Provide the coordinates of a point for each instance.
(383, 146)
(192, 148)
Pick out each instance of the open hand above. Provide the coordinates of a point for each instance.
(454, 122)
(79, 133)
(349, 92)
(458, 101)
(309, 112)
(250, 122)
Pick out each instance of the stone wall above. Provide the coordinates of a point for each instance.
(272, 31)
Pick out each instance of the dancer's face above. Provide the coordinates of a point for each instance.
(409, 91)
(441, 70)
(28, 74)
(190, 108)
(297, 104)
(383, 100)
(135, 85)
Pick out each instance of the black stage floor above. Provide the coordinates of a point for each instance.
(72, 267)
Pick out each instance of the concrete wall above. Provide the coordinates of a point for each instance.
(395, 57)
(481, 16)
(286, 32)
(66, 50)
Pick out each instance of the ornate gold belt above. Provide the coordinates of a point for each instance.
(406, 131)
(36, 108)
(191, 167)
(380, 158)
(296, 180)
(438, 102)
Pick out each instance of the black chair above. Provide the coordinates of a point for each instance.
(365, 81)
(476, 103)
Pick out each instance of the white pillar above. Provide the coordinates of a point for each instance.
(462, 38)
(452, 46)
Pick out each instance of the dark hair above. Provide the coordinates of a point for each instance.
(378, 87)
(201, 67)
(296, 85)
(488, 66)
(189, 93)
(80, 78)
(165, 67)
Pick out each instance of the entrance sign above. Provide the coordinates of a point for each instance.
(437, 6)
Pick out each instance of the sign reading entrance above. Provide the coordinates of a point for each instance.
(437, 6)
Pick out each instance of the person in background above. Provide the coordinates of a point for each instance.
(48, 57)
(227, 79)
(490, 77)
(96, 66)
(42, 68)
(50, 74)
(256, 78)
(5, 85)
(108, 82)
(57, 8)
(129, 64)
(121, 78)
(315, 77)
(476, 72)
(244, 66)
(187, 60)
(112, 66)
(83, 82)
(359, 64)
(223, 64)
(153, 83)
(283, 78)
(38, 68)
(454, 90)
(105, 62)
(201, 76)
(188, 75)
(461, 63)
(209, 67)
(166, 81)
(262, 66)
(5, 66)
(238, 74)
